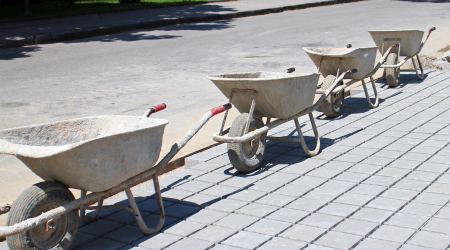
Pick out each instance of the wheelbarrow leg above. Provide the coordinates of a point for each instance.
(373, 105)
(302, 140)
(421, 75)
(138, 215)
(89, 218)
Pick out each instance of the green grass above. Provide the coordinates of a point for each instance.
(10, 12)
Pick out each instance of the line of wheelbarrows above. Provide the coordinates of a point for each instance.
(105, 155)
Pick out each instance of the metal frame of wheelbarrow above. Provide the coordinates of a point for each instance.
(248, 136)
(398, 65)
(86, 200)
(363, 83)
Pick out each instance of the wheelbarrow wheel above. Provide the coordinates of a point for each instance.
(57, 233)
(246, 156)
(332, 105)
(392, 74)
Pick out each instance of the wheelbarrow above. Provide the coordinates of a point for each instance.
(410, 45)
(101, 154)
(285, 96)
(331, 61)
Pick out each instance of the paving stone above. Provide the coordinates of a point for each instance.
(381, 180)
(238, 182)
(236, 221)
(207, 166)
(187, 173)
(321, 220)
(430, 239)
(362, 151)
(309, 181)
(157, 241)
(153, 219)
(224, 247)
(338, 186)
(80, 239)
(101, 227)
(338, 240)
(351, 158)
(317, 247)
(444, 213)
(445, 178)
(275, 200)
(411, 185)
(227, 205)
(125, 217)
(303, 233)
(298, 169)
(407, 220)
(422, 175)
(324, 173)
(424, 150)
(191, 244)
(438, 225)
(432, 198)
(386, 204)
(393, 172)
(337, 209)
(396, 146)
(338, 165)
(214, 233)
(412, 247)
(207, 216)
(220, 191)
(400, 194)
(184, 228)
(288, 215)
(268, 227)
(392, 233)
(323, 194)
(256, 209)
(247, 195)
(181, 210)
(282, 243)
(375, 244)
(439, 188)
(352, 198)
(126, 234)
(306, 204)
(175, 195)
(371, 214)
(194, 186)
(151, 205)
(228, 170)
(265, 185)
(420, 209)
(353, 177)
(281, 177)
(102, 244)
(367, 189)
(257, 174)
(200, 200)
(358, 227)
(170, 181)
(247, 240)
(412, 156)
(293, 190)
(433, 167)
(404, 164)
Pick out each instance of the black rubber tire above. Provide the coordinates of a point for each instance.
(34, 201)
(392, 74)
(243, 159)
(333, 104)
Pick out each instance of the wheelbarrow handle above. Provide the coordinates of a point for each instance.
(220, 109)
(155, 109)
(290, 70)
(350, 72)
(429, 32)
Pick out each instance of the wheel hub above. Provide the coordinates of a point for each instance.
(49, 234)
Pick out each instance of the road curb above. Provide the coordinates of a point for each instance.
(103, 31)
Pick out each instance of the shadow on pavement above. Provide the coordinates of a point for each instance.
(21, 52)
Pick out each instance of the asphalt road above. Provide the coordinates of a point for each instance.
(126, 73)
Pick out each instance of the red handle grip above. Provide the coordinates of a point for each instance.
(156, 108)
(220, 109)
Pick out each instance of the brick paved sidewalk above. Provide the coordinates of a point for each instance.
(380, 182)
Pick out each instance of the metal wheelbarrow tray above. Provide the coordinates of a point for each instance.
(285, 96)
(331, 61)
(102, 154)
(92, 153)
(409, 46)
